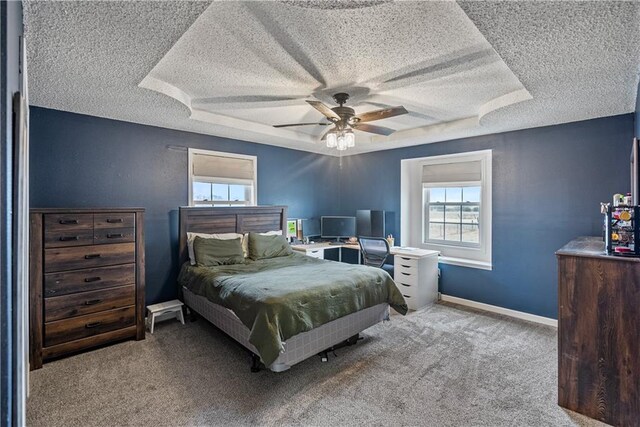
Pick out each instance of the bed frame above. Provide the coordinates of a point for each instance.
(260, 219)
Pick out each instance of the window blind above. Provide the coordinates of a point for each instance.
(452, 172)
(222, 167)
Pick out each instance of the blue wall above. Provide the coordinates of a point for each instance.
(547, 186)
(84, 161)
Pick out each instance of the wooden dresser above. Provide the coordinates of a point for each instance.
(86, 279)
(599, 333)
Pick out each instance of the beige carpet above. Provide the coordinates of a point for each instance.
(443, 366)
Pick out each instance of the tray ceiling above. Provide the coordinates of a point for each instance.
(234, 68)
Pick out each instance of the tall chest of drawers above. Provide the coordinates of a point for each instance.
(86, 279)
(598, 336)
(415, 272)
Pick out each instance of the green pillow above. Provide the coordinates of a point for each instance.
(261, 246)
(212, 252)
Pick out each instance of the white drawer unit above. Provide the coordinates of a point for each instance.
(416, 276)
(315, 253)
(315, 250)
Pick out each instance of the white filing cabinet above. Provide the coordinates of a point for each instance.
(314, 253)
(315, 250)
(416, 275)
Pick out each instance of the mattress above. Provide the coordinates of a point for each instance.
(279, 298)
(298, 347)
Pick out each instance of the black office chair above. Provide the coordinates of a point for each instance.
(375, 251)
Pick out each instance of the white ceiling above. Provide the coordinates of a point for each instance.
(234, 68)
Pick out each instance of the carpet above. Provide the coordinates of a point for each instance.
(442, 366)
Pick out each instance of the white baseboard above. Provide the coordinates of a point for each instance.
(501, 310)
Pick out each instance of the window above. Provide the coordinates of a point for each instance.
(446, 206)
(221, 179)
(452, 214)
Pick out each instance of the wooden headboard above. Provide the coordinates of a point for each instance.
(258, 219)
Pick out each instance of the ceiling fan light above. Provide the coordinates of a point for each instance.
(332, 140)
(342, 143)
(350, 138)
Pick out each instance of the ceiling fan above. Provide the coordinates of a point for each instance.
(345, 119)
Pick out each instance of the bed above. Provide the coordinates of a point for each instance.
(283, 310)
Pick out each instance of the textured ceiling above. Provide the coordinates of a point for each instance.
(235, 68)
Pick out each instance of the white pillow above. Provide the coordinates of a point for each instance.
(191, 237)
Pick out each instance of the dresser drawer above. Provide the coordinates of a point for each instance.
(114, 235)
(76, 257)
(61, 331)
(89, 279)
(404, 268)
(69, 237)
(405, 277)
(114, 220)
(62, 307)
(405, 261)
(315, 253)
(66, 222)
(407, 290)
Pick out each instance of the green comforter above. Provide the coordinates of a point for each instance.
(278, 298)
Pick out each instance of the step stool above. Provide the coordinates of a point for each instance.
(160, 309)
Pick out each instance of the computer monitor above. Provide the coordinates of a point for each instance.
(370, 223)
(311, 227)
(336, 227)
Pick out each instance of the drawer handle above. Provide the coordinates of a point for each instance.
(404, 284)
(114, 235)
(405, 266)
(93, 302)
(92, 279)
(68, 221)
(406, 296)
(114, 220)
(69, 238)
(406, 274)
(406, 259)
(92, 256)
(92, 325)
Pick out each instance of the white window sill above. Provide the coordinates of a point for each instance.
(463, 262)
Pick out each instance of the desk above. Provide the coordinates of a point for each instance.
(416, 275)
(316, 250)
(415, 270)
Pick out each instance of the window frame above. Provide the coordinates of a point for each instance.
(214, 180)
(425, 213)
(412, 210)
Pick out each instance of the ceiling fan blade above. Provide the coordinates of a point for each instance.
(301, 124)
(328, 112)
(381, 114)
(380, 130)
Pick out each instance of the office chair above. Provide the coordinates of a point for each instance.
(375, 251)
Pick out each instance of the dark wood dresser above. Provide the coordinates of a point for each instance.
(86, 279)
(599, 333)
